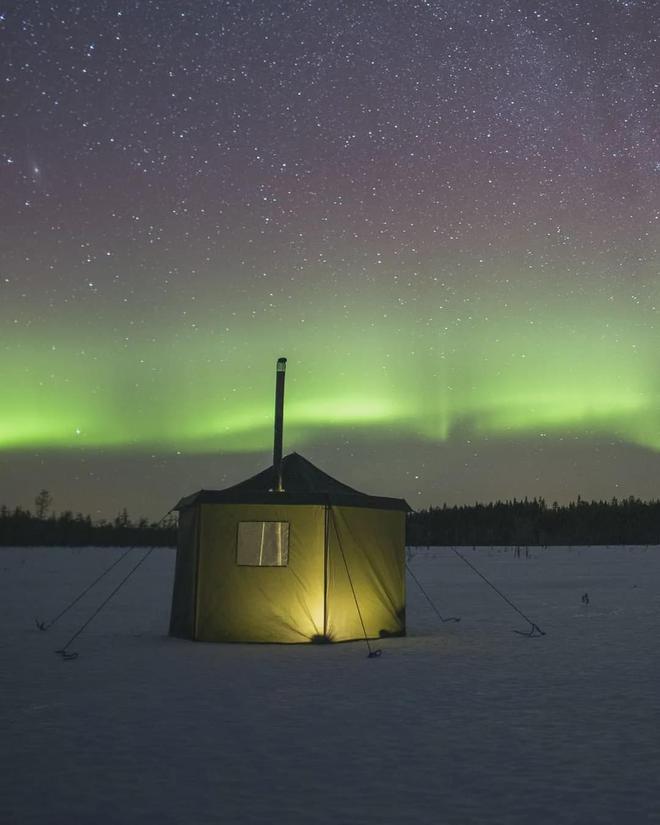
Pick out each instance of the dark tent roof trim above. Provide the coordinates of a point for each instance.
(303, 484)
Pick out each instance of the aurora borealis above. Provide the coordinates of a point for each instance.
(444, 214)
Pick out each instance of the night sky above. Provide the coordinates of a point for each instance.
(444, 213)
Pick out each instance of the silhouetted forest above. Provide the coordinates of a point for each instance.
(625, 521)
(522, 523)
(23, 528)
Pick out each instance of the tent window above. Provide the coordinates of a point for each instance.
(263, 543)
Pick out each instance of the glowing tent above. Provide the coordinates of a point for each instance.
(289, 555)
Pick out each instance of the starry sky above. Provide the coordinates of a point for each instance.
(444, 213)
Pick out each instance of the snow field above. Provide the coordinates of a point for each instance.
(455, 724)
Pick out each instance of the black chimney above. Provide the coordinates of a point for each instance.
(279, 421)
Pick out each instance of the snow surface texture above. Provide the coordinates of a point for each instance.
(455, 724)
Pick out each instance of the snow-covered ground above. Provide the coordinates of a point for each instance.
(457, 723)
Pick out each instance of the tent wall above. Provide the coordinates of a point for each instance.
(182, 618)
(260, 604)
(373, 545)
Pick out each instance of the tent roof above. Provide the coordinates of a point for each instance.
(303, 483)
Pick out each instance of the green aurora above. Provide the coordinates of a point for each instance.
(507, 374)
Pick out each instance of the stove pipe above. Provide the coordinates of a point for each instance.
(279, 422)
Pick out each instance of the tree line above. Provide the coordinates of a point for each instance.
(524, 523)
(521, 523)
(23, 528)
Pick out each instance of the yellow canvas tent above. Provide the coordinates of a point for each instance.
(289, 555)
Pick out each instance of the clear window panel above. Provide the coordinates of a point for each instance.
(263, 543)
